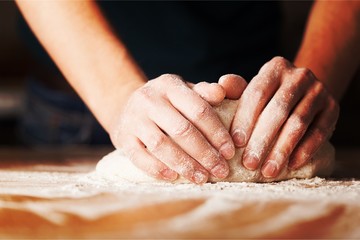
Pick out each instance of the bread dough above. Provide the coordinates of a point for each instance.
(118, 167)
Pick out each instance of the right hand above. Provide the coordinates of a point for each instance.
(166, 129)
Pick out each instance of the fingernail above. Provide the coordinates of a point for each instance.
(251, 161)
(199, 177)
(239, 138)
(221, 170)
(270, 169)
(227, 150)
(169, 174)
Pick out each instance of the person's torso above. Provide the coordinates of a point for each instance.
(198, 40)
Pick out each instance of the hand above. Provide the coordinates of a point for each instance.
(167, 129)
(284, 115)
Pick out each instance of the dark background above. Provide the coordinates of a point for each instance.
(15, 65)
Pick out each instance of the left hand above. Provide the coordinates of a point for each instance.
(284, 115)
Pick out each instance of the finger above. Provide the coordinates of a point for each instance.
(213, 93)
(319, 132)
(164, 149)
(233, 85)
(272, 118)
(255, 97)
(142, 159)
(251, 103)
(292, 131)
(189, 139)
(203, 117)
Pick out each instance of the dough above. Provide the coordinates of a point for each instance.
(118, 167)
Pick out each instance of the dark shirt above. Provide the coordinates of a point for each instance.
(198, 40)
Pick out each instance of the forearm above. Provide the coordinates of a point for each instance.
(90, 56)
(330, 47)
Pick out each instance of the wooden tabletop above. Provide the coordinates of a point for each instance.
(54, 193)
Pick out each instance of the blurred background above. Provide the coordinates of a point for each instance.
(17, 63)
(13, 68)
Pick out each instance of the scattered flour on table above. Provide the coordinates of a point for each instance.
(77, 185)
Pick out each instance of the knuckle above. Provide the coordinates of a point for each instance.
(275, 66)
(320, 134)
(304, 72)
(155, 142)
(201, 111)
(303, 75)
(168, 78)
(221, 136)
(280, 62)
(278, 59)
(143, 94)
(288, 95)
(209, 159)
(166, 75)
(281, 107)
(298, 123)
(318, 96)
(183, 129)
(257, 92)
(130, 151)
(300, 120)
(319, 88)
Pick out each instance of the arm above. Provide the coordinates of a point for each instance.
(330, 47)
(165, 127)
(90, 56)
(286, 113)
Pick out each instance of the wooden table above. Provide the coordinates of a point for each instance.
(54, 193)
